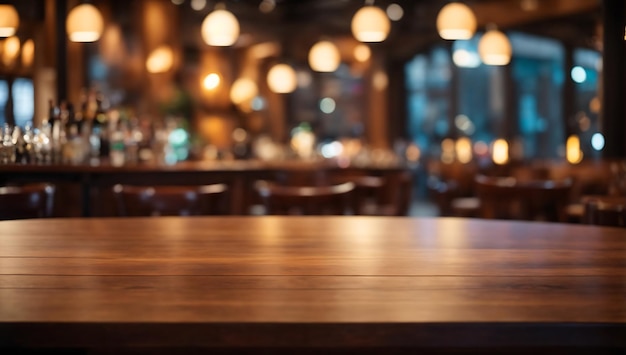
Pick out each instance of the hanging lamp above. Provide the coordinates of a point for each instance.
(324, 56)
(242, 90)
(84, 24)
(28, 53)
(456, 21)
(494, 48)
(370, 24)
(282, 79)
(10, 50)
(9, 20)
(160, 60)
(220, 28)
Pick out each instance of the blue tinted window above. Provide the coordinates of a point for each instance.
(23, 101)
(4, 97)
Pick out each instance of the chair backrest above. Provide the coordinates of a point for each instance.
(26, 201)
(402, 193)
(302, 176)
(170, 200)
(306, 200)
(508, 198)
(369, 192)
(609, 211)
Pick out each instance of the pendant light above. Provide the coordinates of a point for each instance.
(9, 20)
(456, 21)
(28, 53)
(220, 28)
(84, 24)
(324, 56)
(243, 89)
(282, 79)
(10, 50)
(370, 24)
(494, 48)
(160, 60)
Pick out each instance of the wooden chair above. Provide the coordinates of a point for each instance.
(306, 200)
(508, 198)
(369, 193)
(171, 200)
(26, 201)
(605, 211)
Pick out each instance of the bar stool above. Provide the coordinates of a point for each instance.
(171, 200)
(26, 201)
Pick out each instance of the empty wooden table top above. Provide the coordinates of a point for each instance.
(320, 282)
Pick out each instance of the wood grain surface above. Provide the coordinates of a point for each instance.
(298, 282)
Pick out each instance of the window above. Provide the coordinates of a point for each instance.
(23, 101)
(451, 94)
(585, 123)
(4, 97)
(428, 82)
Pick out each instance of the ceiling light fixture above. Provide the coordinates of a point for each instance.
(494, 48)
(456, 21)
(160, 60)
(281, 79)
(11, 50)
(220, 28)
(362, 52)
(28, 53)
(324, 56)
(9, 20)
(84, 24)
(370, 24)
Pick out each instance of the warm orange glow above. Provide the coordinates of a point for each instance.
(243, 89)
(9, 20)
(362, 53)
(413, 153)
(160, 60)
(11, 50)
(211, 81)
(456, 21)
(84, 24)
(28, 53)
(463, 150)
(447, 151)
(370, 24)
(573, 154)
(500, 152)
(220, 28)
(216, 130)
(324, 57)
(494, 48)
(282, 79)
(112, 47)
(380, 80)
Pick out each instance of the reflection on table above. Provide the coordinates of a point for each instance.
(359, 284)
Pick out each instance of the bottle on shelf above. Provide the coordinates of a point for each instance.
(7, 148)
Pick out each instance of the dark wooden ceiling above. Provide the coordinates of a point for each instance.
(574, 22)
(571, 21)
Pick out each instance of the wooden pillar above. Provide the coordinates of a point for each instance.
(61, 49)
(569, 95)
(613, 119)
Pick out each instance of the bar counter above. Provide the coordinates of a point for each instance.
(84, 190)
(311, 284)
